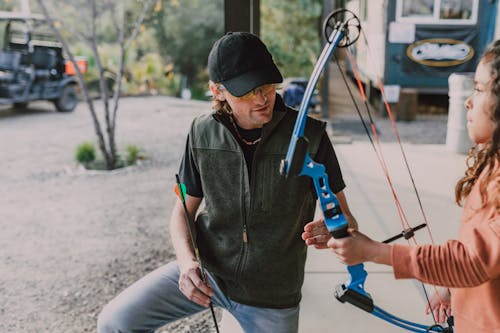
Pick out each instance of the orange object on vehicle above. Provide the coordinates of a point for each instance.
(81, 63)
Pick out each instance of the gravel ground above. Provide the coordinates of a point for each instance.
(72, 239)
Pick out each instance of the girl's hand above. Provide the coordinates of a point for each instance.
(440, 304)
(316, 234)
(358, 248)
(351, 222)
(192, 286)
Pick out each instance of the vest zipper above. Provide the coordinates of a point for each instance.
(245, 238)
(244, 234)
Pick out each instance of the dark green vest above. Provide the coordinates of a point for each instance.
(268, 269)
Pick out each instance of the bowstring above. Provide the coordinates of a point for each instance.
(378, 147)
(403, 153)
(398, 138)
(378, 150)
(417, 193)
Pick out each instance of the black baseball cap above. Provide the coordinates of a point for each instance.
(241, 62)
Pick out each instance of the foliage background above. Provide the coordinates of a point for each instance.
(170, 52)
(291, 30)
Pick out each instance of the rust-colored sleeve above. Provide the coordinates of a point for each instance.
(453, 264)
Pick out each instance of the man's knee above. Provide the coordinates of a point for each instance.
(110, 321)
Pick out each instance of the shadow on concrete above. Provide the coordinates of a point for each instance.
(35, 109)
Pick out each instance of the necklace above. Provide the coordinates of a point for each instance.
(249, 143)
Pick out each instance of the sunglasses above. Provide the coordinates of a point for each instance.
(264, 90)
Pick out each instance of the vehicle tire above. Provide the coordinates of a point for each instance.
(20, 105)
(68, 99)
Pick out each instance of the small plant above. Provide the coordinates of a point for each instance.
(133, 153)
(85, 153)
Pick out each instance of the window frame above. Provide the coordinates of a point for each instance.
(435, 16)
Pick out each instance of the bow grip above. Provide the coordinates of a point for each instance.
(335, 222)
(339, 232)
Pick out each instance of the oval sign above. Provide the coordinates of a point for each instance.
(440, 52)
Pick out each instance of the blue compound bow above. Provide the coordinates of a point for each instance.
(342, 28)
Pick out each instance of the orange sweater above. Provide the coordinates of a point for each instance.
(469, 266)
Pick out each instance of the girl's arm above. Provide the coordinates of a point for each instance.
(452, 264)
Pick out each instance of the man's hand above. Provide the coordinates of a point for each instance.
(192, 286)
(316, 234)
(440, 304)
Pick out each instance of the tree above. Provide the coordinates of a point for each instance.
(84, 25)
(291, 31)
(185, 33)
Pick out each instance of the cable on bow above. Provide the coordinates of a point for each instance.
(342, 28)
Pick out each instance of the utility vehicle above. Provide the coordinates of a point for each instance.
(32, 65)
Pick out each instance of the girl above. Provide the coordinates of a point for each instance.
(470, 265)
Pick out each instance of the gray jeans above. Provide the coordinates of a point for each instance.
(155, 300)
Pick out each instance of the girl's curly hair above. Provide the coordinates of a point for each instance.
(487, 155)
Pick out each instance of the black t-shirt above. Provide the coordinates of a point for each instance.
(190, 175)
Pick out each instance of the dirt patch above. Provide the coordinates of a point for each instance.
(71, 240)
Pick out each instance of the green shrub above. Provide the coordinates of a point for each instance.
(120, 163)
(133, 153)
(85, 153)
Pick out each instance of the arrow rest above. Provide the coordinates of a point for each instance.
(351, 28)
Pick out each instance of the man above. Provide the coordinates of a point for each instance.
(292, 96)
(249, 232)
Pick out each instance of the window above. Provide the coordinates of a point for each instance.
(437, 11)
(455, 9)
(418, 8)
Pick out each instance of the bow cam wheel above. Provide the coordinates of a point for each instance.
(345, 21)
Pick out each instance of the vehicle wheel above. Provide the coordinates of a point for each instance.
(68, 99)
(20, 105)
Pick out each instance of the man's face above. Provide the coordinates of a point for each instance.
(252, 110)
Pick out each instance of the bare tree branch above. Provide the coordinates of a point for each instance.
(79, 74)
(117, 11)
(138, 23)
(113, 10)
